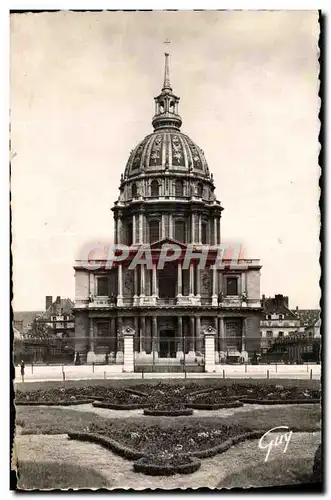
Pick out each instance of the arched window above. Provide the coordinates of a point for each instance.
(154, 231)
(180, 231)
(204, 233)
(134, 190)
(179, 188)
(199, 189)
(154, 189)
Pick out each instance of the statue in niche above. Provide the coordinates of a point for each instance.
(244, 296)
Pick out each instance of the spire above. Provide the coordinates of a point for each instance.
(166, 83)
(166, 104)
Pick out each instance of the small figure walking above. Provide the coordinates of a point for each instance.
(22, 370)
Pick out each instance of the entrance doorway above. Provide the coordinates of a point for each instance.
(167, 344)
(167, 282)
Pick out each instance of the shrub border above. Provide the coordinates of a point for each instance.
(140, 465)
(136, 393)
(52, 403)
(216, 406)
(279, 401)
(185, 412)
(117, 406)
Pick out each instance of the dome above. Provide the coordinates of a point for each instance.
(166, 149)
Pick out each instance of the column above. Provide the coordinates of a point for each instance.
(154, 280)
(179, 279)
(163, 235)
(142, 283)
(243, 282)
(128, 355)
(143, 334)
(119, 230)
(91, 354)
(197, 282)
(215, 231)
(198, 336)
(222, 339)
(209, 350)
(170, 226)
(214, 301)
(191, 282)
(134, 229)
(244, 353)
(136, 342)
(140, 240)
(112, 335)
(154, 348)
(191, 336)
(179, 349)
(192, 228)
(116, 232)
(119, 353)
(120, 285)
(135, 286)
(200, 230)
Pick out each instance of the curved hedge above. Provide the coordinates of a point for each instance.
(168, 413)
(108, 443)
(145, 466)
(54, 403)
(221, 448)
(117, 406)
(216, 406)
(279, 401)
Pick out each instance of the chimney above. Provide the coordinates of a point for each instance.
(286, 301)
(58, 305)
(49, 301)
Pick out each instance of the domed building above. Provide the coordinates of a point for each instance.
(167, 199)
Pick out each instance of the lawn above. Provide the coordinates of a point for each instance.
(49, 420)
(50, 475)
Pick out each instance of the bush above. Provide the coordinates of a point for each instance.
(153, 466)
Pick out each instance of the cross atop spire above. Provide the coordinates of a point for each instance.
(166, 83)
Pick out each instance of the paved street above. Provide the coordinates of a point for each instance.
(85, 372)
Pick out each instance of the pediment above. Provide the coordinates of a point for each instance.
(167, 241)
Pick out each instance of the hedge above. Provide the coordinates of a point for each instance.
(146, 467)
(280, 401)
(108, 443)
(168, 413)
(216, 406)
(117, 406)
(54, 403)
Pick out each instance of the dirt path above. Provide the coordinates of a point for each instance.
(119, 472)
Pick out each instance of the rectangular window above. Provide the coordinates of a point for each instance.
(269, 333)
(130, 234)
(281, 334)
(103, 287)
(154, 231)
(231, 286)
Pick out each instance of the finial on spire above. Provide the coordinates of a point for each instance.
(166, 83)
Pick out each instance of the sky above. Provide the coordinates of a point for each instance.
(82, 96)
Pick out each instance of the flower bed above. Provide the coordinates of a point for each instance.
(280, 401)
(162, 450)
(168, 412)
(164, 466)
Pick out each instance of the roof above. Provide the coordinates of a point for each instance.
(26, 316)
(273, 306)
(67, 306)
(307, 317)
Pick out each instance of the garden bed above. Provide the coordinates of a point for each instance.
(216, 406)
(116, 406)
(156, 466)
(168, 412)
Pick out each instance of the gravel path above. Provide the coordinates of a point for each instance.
(107, 413)
(119, 472)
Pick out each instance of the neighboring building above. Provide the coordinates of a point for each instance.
(298, 347)
(309, 319)
(58, 316)
(167, 195)
(45, 336)
(278, 320)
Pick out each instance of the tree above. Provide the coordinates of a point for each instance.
(41, 330)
